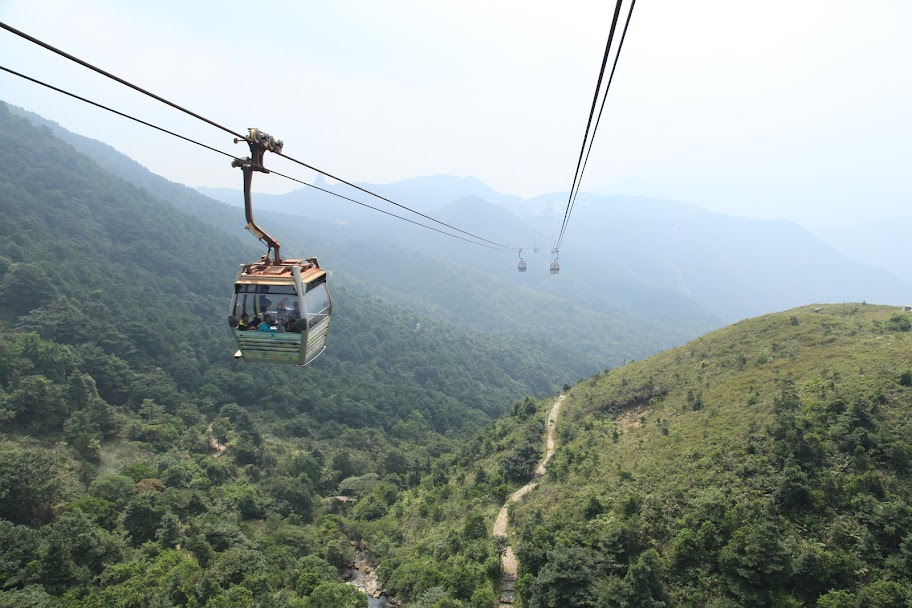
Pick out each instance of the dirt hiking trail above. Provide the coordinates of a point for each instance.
(509, 565)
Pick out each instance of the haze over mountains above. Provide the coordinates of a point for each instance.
(632, 251)
(670, 266)
(158, 471)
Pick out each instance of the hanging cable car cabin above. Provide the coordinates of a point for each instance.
(521, 266)
(280, 309)
(555, 264)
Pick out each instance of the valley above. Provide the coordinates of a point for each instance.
(620, 435)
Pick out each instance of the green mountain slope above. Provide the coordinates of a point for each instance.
(764, 464)
(140, 465)
(423, 272)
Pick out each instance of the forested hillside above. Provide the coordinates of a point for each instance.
(765, 464)
(470, 286)
(140, 464)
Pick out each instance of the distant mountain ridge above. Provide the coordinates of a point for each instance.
(886, 243)
(668, 261)
(729, 266)
(605, 333)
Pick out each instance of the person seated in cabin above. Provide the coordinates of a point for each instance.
(281, 326)
(244, 323)
(266, 325)
(293, 314)
(254, 323)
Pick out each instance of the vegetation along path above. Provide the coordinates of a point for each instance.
(509, 565)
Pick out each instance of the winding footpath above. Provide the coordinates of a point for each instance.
(509, 565)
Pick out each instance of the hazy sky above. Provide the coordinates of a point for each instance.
(794, 109)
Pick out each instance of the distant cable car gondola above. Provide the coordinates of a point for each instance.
(521, 266)
(555, 265)
(280, 310)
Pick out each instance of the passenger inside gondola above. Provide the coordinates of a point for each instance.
(266, 325)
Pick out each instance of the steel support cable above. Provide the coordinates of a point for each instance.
(598, 118)
(294, 179)
(112, 110)
(216, 150)
(392, 202)
(598, 86)
(98, 70)
(94, 68)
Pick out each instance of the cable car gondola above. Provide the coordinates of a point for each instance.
(280, 309)
(555, 265)
(521, 266)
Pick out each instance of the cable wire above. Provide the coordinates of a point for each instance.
(88, 65)
(294, 179)
(383, 198)
(99, 70)
(598, 86)
(104, 107)
(597, 121)
(179, 136)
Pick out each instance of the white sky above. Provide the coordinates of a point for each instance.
(795, 109)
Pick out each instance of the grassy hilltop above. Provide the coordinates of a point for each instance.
(763, 464)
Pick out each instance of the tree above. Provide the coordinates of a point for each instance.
(885, 594)
(483, 597)
(641, 587)
(29, 487)
(116, 489)
(25, 287)
(236, 597)
(102, 512)
(292, 495)
(142, 517)
(76, 551)
(898, 323)
(19, 547)
(837, 599)
(170, 532)
(519, 464)
(38, 402)
(337, 595)
(475, 527)
(565, 580)
(221, 426)
(314, 572)
(756, 563)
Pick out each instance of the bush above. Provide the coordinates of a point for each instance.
(898, 323)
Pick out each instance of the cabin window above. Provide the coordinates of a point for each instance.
(279, 302)
(317, 304)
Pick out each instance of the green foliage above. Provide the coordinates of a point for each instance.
(314, 571)
(766, 464)
(778, 483)
(566, 580)
(521, 462)
(336, 595)
(29, 486)
(142, 517)
(898, 323)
